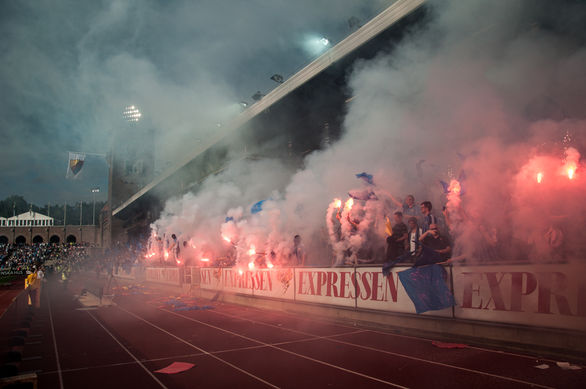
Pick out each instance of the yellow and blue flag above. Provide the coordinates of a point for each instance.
(75, 164)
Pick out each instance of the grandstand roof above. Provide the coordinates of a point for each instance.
(370, 30)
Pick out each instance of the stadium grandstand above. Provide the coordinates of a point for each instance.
(304, 113)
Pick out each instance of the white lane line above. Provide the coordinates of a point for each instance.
(224, 351)
(198, 348)
(420, 339)
(55, 342)
(128, 351)
(390, 352)
(282, 349)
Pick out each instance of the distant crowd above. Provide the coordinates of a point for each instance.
(27, 257)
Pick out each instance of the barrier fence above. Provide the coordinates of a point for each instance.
(536, 295)
(551, 295)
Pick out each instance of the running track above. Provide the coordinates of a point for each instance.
(232, 346)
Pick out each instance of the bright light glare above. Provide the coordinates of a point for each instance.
(570, 173)
(270, 265)
(349, 203)
(539, 177)
(132, 114)
(252, 251)
(316, 45)
(251, 265)
(205, 259)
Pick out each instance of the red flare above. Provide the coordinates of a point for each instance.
(252, 250)
(349, 204)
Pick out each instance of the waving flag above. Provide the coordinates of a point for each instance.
(365, 177)
(445, 187)
(257, 207)
(75, 164)
(426, 287)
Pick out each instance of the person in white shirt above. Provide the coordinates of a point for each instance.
(414, 246)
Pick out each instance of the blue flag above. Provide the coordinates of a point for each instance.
(257, 207)
(365, 177)
(426, 287)
(228, 219)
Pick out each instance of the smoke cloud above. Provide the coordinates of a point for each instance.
(68, 69)
(488, 94)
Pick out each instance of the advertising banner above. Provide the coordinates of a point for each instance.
(334, 286)
(211, 278)
(538, 295)
(165, 275)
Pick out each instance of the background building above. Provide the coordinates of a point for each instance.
(33, 227)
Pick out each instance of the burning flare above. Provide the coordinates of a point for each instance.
(166, 254)
(455, 187)
(205, 259)
(349, 204)
(337, 203)
(572, 159)
(251, 265)
(252, 250)
(539, 177)
(226, 239)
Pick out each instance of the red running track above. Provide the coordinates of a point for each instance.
(232, 346)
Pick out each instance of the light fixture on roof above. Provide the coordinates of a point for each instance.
(316, 44)
(277, 78)
(132, 113)
(257, 96)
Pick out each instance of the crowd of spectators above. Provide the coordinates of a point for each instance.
(27, 257)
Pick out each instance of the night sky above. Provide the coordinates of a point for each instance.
(68, 69)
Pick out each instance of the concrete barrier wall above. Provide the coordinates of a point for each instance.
(164, 275)
(534, 295)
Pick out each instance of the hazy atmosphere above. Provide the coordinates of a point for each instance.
(68, 69)
(476, 100)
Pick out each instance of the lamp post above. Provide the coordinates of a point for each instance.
(94, 191)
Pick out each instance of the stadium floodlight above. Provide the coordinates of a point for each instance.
(316, 44)
(354, 23)
(277, 78)
(257, 96)
(132, 113)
